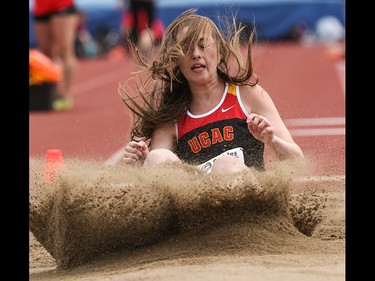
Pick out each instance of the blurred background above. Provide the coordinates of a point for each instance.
(307, 21)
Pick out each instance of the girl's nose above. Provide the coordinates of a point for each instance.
(196, 53)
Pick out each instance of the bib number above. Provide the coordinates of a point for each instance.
(235, 152)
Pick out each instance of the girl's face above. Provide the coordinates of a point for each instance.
(200, 65)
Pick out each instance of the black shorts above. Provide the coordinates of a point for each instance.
(65, 11)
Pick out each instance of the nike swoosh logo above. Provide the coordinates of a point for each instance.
(226, 109)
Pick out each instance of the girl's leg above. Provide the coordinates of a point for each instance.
(158, 156)
(228, 164)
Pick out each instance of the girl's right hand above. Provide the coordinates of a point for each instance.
(135, 151)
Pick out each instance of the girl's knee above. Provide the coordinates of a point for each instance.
(160, 155)
(228, 164)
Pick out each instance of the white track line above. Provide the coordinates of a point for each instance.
(334, 178)
(326, 121)
(318, 132)
(310, 122)
(98, 81)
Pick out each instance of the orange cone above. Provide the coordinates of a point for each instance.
(54, 165)
(42, 69)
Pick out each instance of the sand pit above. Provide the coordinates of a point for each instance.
(174, 223)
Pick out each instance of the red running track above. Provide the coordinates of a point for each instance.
(306, 85)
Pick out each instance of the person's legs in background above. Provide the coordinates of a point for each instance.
(55, 36)
(43, 34)
(63, 29)
(140, 25)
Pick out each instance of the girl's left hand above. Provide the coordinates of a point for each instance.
(260, 128)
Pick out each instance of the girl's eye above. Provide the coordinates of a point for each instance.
(202, 43)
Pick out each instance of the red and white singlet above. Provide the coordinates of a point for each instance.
(223, 130)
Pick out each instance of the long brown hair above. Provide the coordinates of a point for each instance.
(163, 93)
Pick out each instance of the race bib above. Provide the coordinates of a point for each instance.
(235, 152)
